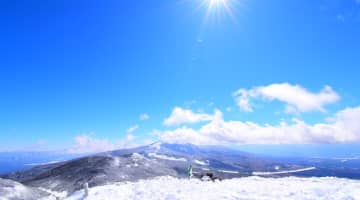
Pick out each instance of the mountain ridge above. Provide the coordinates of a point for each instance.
(157, 159)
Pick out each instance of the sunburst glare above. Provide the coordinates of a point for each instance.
(220, 8)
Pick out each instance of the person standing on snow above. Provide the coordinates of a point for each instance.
(190, 172)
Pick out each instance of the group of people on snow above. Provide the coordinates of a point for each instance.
(203, 177)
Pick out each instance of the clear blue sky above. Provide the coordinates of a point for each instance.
(79, 67)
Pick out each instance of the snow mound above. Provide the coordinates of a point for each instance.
(137, 157)
(169, 188)
(11, 190)
(116, 161)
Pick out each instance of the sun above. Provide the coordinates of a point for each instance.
(217, 3)
(219, 8)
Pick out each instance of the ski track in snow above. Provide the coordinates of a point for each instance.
(169, 188)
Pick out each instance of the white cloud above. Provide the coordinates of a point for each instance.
(186, 116)
(343, 127)
(132, 129)
(185, 135)
(144, 117)
(296, 98)
(88, 143)
(242, 98)
(85, 143)
(130, 137)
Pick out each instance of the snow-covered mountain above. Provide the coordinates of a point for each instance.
(159, 160)
(149, 161)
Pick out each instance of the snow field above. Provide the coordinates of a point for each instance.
(169, 188)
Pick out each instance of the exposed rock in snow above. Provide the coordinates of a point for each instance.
(165, 157)
(241, 188)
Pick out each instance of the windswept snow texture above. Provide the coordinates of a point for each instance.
(168, 188)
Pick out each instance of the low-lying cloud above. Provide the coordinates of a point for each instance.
(343, 127)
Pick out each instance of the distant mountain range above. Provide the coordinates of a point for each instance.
(14, 161)
(162, 159)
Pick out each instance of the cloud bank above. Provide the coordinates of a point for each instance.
(343, 127)
(213, 129)
(296, 98)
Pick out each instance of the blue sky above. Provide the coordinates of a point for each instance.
(82, 72)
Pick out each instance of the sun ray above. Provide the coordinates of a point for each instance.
(220, 9)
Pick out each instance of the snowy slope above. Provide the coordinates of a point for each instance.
(160, 159)
(11, 190)
(144, 162)
(169, 188)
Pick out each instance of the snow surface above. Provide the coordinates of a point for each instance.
(53, 194)
(169, 188)
(199, 162)
(165, 157)
(45, 163)
(13, 191)
(228, 171)
(283, 172)
(156, 146)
